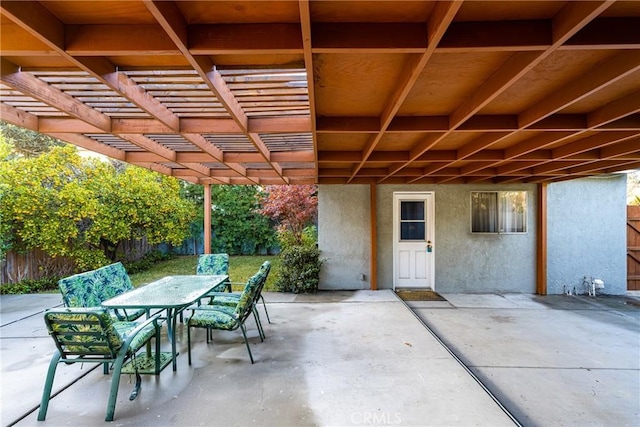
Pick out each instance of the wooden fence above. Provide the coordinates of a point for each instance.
(633, 248)
(37, 264)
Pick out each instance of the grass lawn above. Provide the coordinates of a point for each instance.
(240, 269)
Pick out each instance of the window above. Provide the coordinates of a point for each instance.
(412, 220)
(498, 211)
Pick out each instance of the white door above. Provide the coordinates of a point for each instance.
(413, 240)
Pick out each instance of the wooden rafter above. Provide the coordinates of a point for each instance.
(332, 92)
(571, 19)
(436, 26)
(171, 20)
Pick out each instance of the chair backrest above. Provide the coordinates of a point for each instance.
(265, 268)
(85, 332)
(90, 288)
(251, 290)
(213, 264)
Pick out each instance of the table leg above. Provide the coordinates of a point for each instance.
(172, 316)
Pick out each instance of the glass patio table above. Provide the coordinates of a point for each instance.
(171, 293)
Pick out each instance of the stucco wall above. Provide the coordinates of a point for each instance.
(587, 233)
(344, 236)
(464, 262)
(586, 236)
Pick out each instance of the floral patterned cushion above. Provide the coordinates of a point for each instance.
(90, 288)
(95, 327)
(215, 264)
(226, 299)
(229, 317)
(124, 329)
(213, 317)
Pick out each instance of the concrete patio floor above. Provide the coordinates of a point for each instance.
(358, 358)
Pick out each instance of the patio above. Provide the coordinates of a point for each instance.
(360, 358)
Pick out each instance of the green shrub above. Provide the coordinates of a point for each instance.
(308, 238)
(299, 269)
(147, 262)
(30, 286)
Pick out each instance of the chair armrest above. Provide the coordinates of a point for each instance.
(221, 294)
(153, 319)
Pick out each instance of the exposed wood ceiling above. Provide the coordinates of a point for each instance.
(272, 92)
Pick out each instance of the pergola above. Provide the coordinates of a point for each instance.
(332, 92)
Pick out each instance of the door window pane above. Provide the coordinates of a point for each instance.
(412, 220)
(412, 231)
(412, 211)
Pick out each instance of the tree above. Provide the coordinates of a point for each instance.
(137, 203)
(28, 143)
(293, 207)
(237, 224)
(83, 209)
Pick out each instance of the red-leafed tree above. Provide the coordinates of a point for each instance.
(293, 207)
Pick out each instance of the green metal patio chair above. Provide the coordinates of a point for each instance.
(89, 335)
(90, 288)
(217, 264)
(227, 318)
(231, 299)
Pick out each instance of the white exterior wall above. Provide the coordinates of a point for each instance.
(587, 228)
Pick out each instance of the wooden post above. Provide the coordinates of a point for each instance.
(207, 218)
(541, 243)
(373, 273)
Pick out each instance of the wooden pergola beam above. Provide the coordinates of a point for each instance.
(571, 19)
(603, 75)
(90, 144)
(375, 38)
(36, 88)
(305, 29)
(437, 25)
(620, 115)
(171, 20)
(615, 110)
(186, 125)
(19, 117)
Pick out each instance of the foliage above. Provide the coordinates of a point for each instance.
(147, 262)
(25, 142)
(300, 269)
(6, 148)
(30, 286)
(240, 269)
(195, 194)
(238, 226)
(137, 203)
(50, 283)
(308, 238)
(293, 207)
(83, 209)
